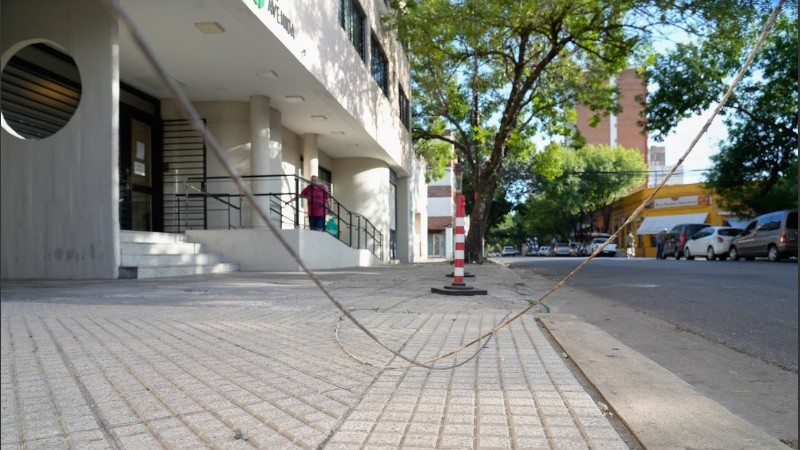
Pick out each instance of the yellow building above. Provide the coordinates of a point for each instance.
(672, 205)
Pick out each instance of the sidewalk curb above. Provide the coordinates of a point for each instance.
(659, 409)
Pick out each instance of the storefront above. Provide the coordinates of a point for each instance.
(672, 205)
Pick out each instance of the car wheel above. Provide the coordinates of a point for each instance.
(773, 254)
(710, 254)
(688, 254)
(733, 253)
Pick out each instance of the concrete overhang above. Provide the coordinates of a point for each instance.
(245, 59)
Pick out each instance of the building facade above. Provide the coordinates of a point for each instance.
(658, 168)
(288, 89)
(442, 214)
(621, 129)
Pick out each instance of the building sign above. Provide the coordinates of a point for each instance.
(684, 200)
(275, 11)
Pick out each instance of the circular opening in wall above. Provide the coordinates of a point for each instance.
(41, 89)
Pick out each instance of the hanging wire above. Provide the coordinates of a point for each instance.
(191, 114)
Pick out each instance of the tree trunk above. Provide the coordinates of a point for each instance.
(478, 220)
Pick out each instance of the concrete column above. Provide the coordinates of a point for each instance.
(259, 153)
(310, 156)
(404, 225)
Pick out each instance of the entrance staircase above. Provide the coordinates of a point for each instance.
(157, 255)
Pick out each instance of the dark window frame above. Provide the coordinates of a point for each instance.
(352, 20)
(405, 107)
(379, 65)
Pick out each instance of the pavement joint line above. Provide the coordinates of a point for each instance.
(426, 361)
(15, 380)
(559, 390)
(405, 373)
(114, 384)
(335, 430)
(227, 422)
(261, 398)
(48, 383)
(449, 393)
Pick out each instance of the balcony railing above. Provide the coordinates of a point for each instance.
(216, 203)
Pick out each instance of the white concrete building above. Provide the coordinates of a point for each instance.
(93, 146)
(658, 168)
(442, 214)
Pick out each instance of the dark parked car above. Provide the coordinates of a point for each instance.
(773, 235)
(676, 239)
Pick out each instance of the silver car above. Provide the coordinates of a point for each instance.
(773, 235)
(711, 242)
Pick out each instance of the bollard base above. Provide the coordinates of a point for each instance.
(458, 289)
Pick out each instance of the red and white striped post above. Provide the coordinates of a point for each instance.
(458, 271)
(458, 287)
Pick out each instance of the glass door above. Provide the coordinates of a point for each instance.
(139, 175)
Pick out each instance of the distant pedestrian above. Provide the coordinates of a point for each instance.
(318, 205)
(631, 252)
(660, 243)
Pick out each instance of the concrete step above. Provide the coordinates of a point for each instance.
(166, 259)
(151, 237)
(175, 271)
(156, 255)
(160, 248)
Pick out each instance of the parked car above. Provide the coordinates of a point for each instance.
(544, 250)
(713, 242)
(564, 249)
(610, 250)
(773, 235)
(509, 250)
(675, 240)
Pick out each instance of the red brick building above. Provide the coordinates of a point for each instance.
(621, 129)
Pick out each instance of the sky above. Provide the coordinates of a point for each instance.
(678, 141)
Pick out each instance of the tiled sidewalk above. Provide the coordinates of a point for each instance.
(252, 360)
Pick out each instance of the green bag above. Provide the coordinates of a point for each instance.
(332, 228)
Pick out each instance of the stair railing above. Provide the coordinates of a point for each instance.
(215, 203)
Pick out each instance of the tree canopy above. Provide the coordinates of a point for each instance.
(497, 72)
(755, 170)
(577, 184)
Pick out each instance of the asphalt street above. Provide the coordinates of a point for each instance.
(727, 328)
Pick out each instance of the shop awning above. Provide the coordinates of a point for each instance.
(654, 224)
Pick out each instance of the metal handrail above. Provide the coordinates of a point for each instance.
(354, 229)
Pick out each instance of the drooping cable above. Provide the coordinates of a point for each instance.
(191, 114)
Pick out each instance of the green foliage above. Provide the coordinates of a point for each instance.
(497, 72)
(588, 179)
(438, 156)
(756, 168)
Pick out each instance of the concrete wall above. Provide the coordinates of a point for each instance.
(322, 46)
(60, 209)
(258, 250)
(363, 187)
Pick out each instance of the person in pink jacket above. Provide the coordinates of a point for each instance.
(319, 202)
